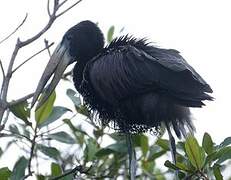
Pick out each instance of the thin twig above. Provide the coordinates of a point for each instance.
(47, 47)
(32, 57)
(62, 3)
(33, 143)
(7, 37)
(48, 8)
(60, 14)
(3, 75)
(79, 169)
(19, 135)
(3, 72)
(41, 134)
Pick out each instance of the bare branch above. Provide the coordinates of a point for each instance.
(12, 103)
(47, 47)
(62, 3)
(48, 8)
(32, 57)
(18, 46)
(56, 6)
(3, 72)
(7, 37)
(73, 5)
(5, 85)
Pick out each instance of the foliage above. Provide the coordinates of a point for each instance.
(98, 161)
(74, 144)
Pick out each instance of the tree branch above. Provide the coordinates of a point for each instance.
(33, 143)
(3, 76)
(73, 5)
(16, 29)
(18, 46)
(32, 57)
(3, 72)
(47, 47)
(62, 3)
(79, 169)
(48, 8)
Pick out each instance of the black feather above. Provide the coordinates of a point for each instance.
(137, 86)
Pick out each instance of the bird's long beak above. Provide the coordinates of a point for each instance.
(59, 61)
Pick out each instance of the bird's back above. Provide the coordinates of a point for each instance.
(139, 86)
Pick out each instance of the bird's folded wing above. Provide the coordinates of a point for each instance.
(120, 74)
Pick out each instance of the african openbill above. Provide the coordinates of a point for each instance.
(130, 83)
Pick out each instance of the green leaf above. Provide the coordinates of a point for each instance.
(110, 34)
(226, 142)
(55, 169)
(21, 111)
(62, 137)
(183, 167)
(43, 112)
(76, 131)
(57, 112)
(72, 95)
(148, 166)
(225, 155)
(104, 152)
(5, 173)
(120, 148)
(117, 136)
(217, 172)
(14, 129)
(141, 141)
(218, 154)
(40, 177)
(194, 152)
(156, 155)
(163, 143)
(91, 149)
(178, 166)
(155, 152)
(207, 143)
(170, 165)
(19, 169)
(49, 151)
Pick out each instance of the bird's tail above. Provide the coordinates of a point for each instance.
(182, 123)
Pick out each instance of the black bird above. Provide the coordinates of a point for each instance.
(130, 83)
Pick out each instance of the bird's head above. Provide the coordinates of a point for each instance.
(80, 43)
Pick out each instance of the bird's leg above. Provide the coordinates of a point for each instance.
(172, 147)
(132, 157)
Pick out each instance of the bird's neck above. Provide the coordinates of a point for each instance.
(78, 74)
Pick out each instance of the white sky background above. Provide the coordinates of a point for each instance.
(200, 30)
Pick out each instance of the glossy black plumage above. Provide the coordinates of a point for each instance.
(130, 83)
(137, 86)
